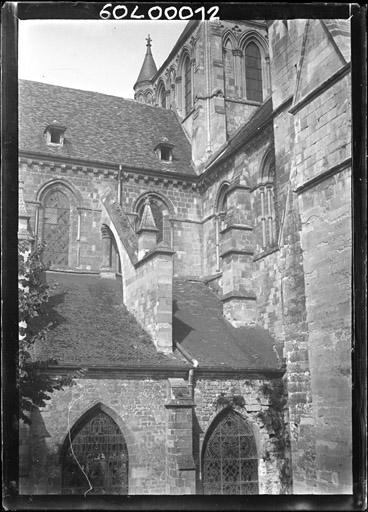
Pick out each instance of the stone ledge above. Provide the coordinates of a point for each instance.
(180, 404)
(238, 295)
(155, 252)
(324, 176)
(213, 277)
(233, 250)
(186, 463)
(241, 227)
(344, 70)
(265, 253)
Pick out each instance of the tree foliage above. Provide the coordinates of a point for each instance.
(34, 384)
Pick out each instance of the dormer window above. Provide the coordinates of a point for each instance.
(164, 150)
(54, 134)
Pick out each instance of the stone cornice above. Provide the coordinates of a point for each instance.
(145, 370)
(108, 169)
(128, 371)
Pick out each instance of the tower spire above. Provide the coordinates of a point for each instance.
(148, 69)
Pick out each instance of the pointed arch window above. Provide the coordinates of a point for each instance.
(230, 462)
(56, 227)
(161, 95)
(163, 98)
(187, 74)
(110, 252)
(97, 457)
(253, 72)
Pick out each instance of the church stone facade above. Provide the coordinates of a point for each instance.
(199, 242)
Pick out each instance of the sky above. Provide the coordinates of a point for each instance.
(101, 56)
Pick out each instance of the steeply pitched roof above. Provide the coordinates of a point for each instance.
(91, 326)
(100, 128)
(201, 329)
(148, 69)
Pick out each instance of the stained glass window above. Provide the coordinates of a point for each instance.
(230, 464)
(97, 457)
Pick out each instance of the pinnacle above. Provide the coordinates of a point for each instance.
(148, 69)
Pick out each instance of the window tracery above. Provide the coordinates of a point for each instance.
(230, 462)
(96, 456)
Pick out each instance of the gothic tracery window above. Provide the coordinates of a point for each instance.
(230, 463)
(97, 458)
(56, 227)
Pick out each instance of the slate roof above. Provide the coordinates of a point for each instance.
(100, 128)
(91, 326)
(201, 329)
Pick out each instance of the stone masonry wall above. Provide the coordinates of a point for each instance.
(324, 125)
(89, 184)
(149, 297)
(272, 462)
(156, 434)
(138, 408)
(311, 141)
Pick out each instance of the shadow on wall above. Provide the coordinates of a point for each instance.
(180, 329)
(41, 473)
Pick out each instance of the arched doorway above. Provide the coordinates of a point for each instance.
(56, 228)
(230, 463)
(97, 456)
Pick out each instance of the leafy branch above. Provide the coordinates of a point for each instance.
(34, 384)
